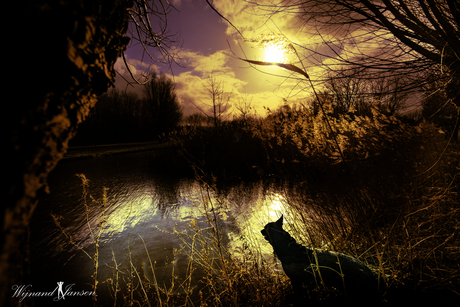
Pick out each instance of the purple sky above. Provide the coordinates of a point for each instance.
(205, 51)
(197, 27)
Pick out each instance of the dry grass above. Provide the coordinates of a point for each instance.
(405, 228)
(224, 278)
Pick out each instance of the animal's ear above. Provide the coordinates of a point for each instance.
(279, 222)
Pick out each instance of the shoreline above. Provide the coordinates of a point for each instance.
(95, 151)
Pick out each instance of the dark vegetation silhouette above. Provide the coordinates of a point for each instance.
(118, 117)
(162, 104)
(123, 117)
(344, 277)
(294, 140)
(75, 45)
(363, 171)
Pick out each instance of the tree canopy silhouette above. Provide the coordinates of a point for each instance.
(162, 103)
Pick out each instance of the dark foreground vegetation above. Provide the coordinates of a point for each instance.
(377, 185)
(362, 178)
(370, 183)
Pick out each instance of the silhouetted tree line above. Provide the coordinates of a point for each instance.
(123, 117)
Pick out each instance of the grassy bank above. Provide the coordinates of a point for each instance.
(375, 188)
(416, 254)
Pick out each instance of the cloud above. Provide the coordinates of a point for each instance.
(205, 65)
(254, 20)
(262, 85)
(191, 85)
(320, 49)
(262, 89)
(138, 69)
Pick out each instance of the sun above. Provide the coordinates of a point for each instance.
(274, 53)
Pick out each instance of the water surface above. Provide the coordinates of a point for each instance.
(142, 210)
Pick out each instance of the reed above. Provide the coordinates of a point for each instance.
(95, 232)
(371, 186)
(227, 279)
(405, 229)
(401, 220)
(231, 278)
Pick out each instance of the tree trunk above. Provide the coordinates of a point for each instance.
(66, 55)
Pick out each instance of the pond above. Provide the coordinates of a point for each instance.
(135, 215)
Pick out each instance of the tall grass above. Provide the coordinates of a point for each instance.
(373, 187)
(225, 278)
(242, 278)
(408, 234)
(389, 199)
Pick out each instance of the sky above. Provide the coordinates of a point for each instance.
(211, 47)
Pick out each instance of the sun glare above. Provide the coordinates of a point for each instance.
(274, 54)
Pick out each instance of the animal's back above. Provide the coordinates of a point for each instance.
(308, 268)
(333, 270)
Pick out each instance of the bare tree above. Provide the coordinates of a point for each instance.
(244, 105)
(220, 100)
(348, 90)
(414, 36)
(159, 45)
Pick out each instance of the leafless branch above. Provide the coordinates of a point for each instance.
(149, 28)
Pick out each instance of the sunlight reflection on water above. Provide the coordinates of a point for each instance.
(145, 208)
(149, 216)
(252, 219)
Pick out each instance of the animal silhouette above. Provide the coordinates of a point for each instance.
(309, 268)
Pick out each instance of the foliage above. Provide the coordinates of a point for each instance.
(162, 104)
(196, 119)
(229, 150)
(122, 117)
(441, 110)
(117, 117)
(293, 141)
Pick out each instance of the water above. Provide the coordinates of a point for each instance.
(146, 205)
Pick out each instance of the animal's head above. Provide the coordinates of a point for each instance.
(282, 242)
(273, 230)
